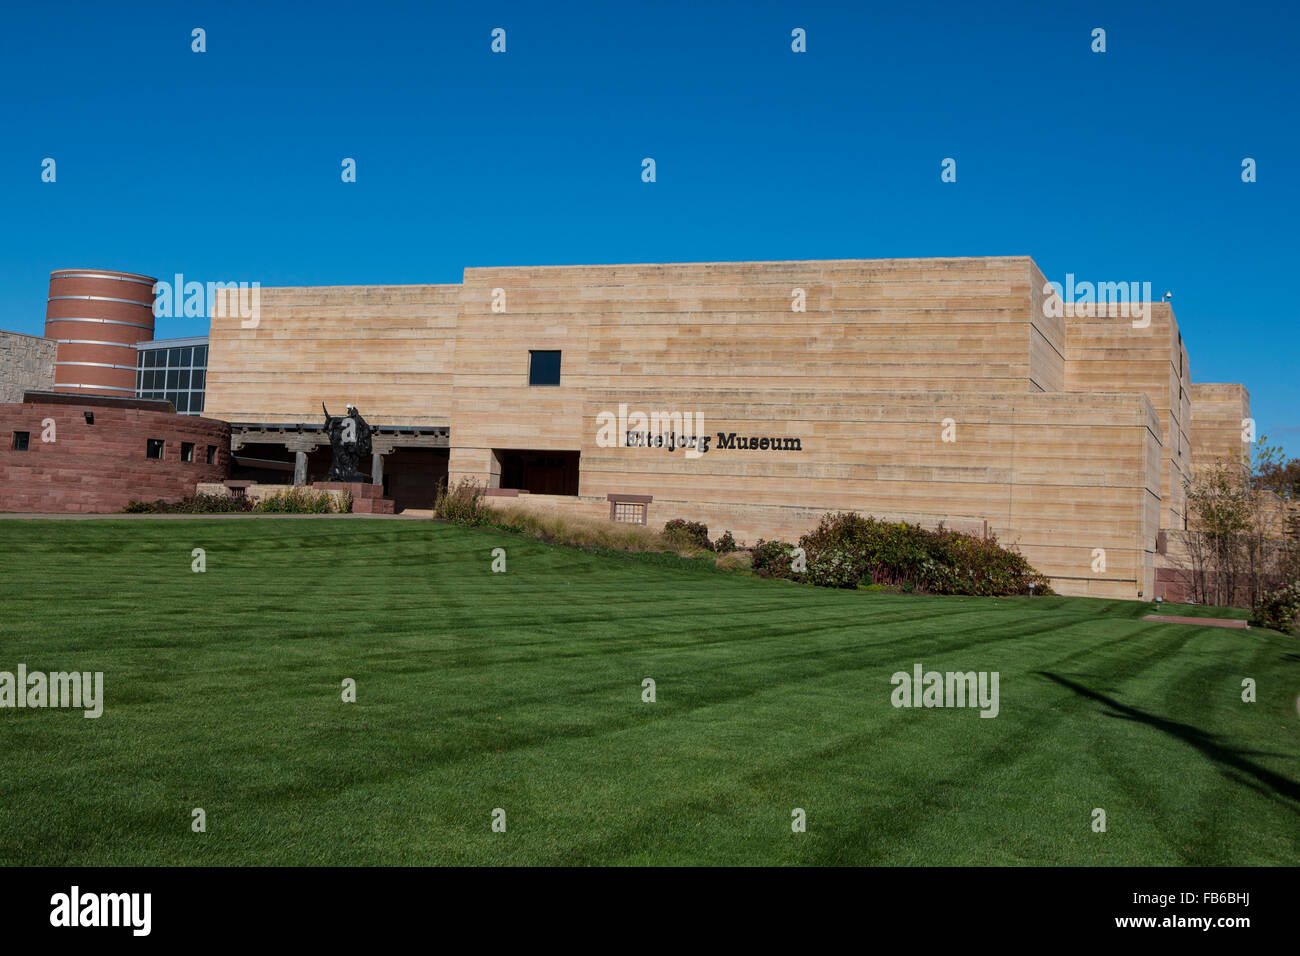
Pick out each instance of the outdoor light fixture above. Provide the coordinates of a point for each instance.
(1031, 590)
(90, 417)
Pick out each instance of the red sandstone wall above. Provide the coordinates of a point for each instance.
(101, 467)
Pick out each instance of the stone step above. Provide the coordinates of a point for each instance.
(374, 506)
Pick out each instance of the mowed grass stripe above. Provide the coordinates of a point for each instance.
(522, 691)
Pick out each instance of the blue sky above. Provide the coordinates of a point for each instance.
(224, 166)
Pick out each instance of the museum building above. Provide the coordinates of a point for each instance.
(752, 396)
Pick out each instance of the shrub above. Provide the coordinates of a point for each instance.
(691, 534)
(462, 503)
(833, 569)
(296, 501)
(771, 559)
(912, 558)
(195, 505)
(1279, 610)
(726, 544)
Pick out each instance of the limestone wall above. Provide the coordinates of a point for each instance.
(26, 364)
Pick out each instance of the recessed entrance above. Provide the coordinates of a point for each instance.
(539, 472)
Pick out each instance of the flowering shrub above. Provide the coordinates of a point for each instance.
(726, 544)
(1279, 609)
(833, 569)
(771, 559)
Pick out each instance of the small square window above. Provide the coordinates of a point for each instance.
(154, 448)
(629, 512)
(21, 440)
(543, 368)
(187, 451)
(212, 454)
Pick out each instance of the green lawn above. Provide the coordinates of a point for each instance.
(522, 691)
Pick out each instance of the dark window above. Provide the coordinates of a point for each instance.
(544, 368)
(182, 401)
(187, 451)
(154, 448)
(212, 454)
(21, 440)
(201, 355)
(185, 354)
(539, 472)
(196, 380)
(185, 379)
(196, 402)
(151, 358)
(173, 378)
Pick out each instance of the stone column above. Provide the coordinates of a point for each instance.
(376, 468)
(301, 449)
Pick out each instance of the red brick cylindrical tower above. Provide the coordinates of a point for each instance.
(97, 316)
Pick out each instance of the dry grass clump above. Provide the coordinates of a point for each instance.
(582, 531)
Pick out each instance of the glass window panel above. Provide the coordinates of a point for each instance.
(184, 379)
(544, 368)
(196, 402)
(201, 355)
(196, 380)
(173, 378)
(182, 401)
(185, 355)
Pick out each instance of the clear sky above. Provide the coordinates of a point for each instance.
(225, 165)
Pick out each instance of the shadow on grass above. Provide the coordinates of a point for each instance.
(1264, 780)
